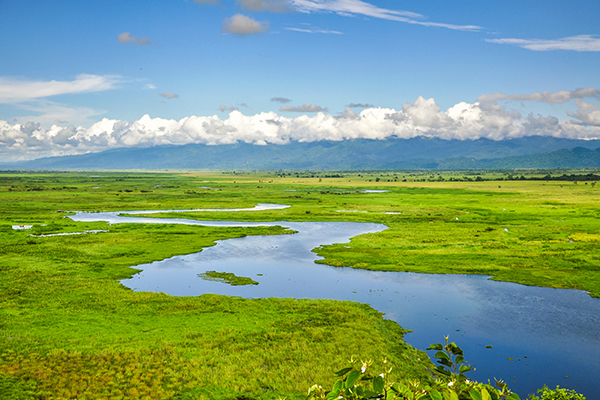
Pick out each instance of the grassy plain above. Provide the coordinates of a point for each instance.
(70, 330)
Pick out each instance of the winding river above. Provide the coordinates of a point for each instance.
(526, 336)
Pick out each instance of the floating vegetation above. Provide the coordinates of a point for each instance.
(227, 277)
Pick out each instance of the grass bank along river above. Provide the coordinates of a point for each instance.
(69, 327)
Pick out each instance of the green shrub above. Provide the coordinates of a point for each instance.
(557, 394)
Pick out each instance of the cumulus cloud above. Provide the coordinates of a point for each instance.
(277, 6)
(422, 118)
(360, 105)
(242, 25)
(127, 38)
(223, 107)
(359, 7)
(169, 95)
(559, 97)
(15, 91)
(574, 43)
(281, 99)
(588, 114)
(306, 107)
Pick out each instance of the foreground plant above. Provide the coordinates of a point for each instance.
(556, 394)
(357, 383)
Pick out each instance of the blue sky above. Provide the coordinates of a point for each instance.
(78, 76)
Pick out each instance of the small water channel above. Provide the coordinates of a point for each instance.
(537, 335)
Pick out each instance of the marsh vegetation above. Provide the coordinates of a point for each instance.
(70, 330)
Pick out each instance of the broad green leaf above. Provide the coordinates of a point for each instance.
(464, 368)
(378, 384)
(459, 359)
(441, 354)
(337, 386)
(442, 370)
(475, 395)
(398, 387)
(343, 371)
(435, 395)
(352, 378)
(435, 346)
(513, 396)
(485, 395)
(331, 396)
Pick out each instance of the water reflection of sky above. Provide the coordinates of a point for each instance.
(538, 335)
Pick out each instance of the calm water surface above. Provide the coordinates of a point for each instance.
(538, 335)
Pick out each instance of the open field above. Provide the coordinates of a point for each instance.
(70, 330)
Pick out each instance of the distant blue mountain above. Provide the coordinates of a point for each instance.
(360, 154)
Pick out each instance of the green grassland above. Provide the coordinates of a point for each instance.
(68, 329)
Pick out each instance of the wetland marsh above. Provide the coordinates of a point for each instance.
(62, 299)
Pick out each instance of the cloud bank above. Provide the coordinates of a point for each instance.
(422, 118)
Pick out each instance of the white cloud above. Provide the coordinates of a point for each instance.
(588, 114)
(169, 95)
(422, 118)
(277, 6)
(575, 43)
(127, 38)
(16, 91)
(242, 25)
(559, 97)
(150, 86)
(359, 7)
(306, 107)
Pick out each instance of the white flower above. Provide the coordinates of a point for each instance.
(364, 368)
(450, 383)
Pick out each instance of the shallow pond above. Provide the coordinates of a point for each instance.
(538, 335)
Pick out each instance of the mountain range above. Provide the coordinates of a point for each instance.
(359, 154)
